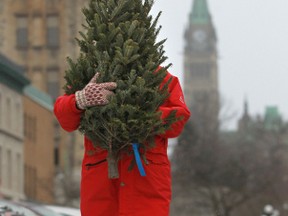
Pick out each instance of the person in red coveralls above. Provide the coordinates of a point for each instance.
(130, 194)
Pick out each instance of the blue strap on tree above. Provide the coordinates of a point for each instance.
(138, 159)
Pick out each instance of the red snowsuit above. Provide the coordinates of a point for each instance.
(131, 194)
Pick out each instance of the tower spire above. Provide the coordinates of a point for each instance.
(246, 111)
(200, 12)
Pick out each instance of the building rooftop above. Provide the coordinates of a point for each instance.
(200, 12)
(272, 117)
(11, 74)
(38, 96)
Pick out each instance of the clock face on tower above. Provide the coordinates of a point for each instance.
(200, 36)
(200, 40)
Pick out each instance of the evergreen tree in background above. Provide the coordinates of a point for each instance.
(120, 44)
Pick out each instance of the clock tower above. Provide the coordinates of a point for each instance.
(200, 68)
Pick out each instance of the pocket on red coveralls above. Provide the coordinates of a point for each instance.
(93, 162)
(98, 193)
(93, 168)
(158, 170)
(93, 172)
(154, 191)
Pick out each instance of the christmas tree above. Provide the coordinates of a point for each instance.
(120, 43)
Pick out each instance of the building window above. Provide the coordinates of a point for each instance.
(34, 126)
(17, 120)
(53, 31)
(30, 176)
(53, 83)
(22, 32)
(25, 125)
(56, 156)
(30, 129)
(9, 169)
(19, 172)
(1, 6)
(1, 156)
(8, 113)
(18, 112)
(1, 109)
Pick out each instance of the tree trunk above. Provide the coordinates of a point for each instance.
(112, 160)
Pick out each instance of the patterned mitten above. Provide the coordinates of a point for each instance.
(94, 94)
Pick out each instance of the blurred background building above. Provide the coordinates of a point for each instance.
(200, 68)
(38, 35)
(12, 84)
(227, 173)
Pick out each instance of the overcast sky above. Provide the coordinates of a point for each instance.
(252, 48)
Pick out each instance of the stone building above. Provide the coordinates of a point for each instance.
(39, 35)
(27, 167)
(12, 84)
(39, 163)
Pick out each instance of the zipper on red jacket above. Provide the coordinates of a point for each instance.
(91, 165)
